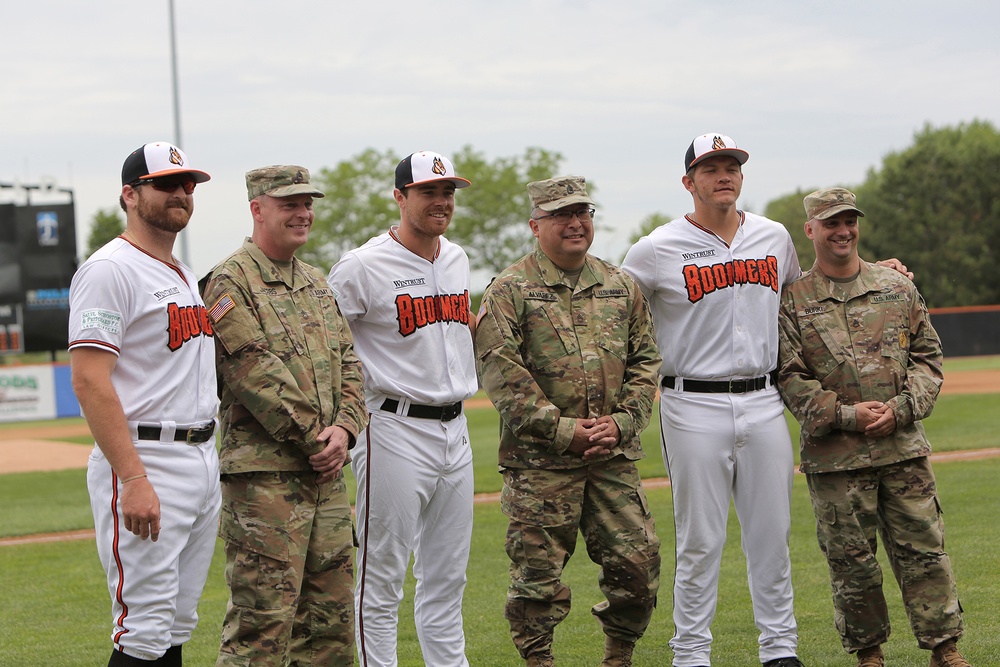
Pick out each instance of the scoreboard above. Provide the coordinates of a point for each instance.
(37, 261)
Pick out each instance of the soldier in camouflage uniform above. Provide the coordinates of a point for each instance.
(565, 350)
(292, 405)
(860, 366)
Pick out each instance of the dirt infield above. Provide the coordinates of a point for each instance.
(37, 449)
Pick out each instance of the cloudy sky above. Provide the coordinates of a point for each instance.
(816, 92)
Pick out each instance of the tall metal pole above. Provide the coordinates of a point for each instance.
(177, 114)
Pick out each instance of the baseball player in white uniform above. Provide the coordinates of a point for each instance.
(143, 362)
(713, 280)
(405, 294)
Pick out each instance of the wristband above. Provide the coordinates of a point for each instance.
(133, 477)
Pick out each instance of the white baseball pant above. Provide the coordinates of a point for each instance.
(415, 489)
(717, 447)
(155, 586)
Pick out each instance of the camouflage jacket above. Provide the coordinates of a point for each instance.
(548, 354)
(838, 347)
(285, 360)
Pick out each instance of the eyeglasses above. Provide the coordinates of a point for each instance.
(564, 217)
(168, 183)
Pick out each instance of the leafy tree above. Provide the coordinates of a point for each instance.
(491, 217)
(788, 211)
(358, 205)
(648, 224)
(491, 222)
(936, 206)
(106, 224)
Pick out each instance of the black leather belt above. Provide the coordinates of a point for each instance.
(191, 436)
(721, 386)
(443, 413)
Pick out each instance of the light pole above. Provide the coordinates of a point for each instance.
(177, 114)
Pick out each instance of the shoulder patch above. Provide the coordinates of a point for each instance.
(108, 321)
(221, 307)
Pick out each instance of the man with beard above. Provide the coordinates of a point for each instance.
(406, 296)
(292, 406)
(143, 361)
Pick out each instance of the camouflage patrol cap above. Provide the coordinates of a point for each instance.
(554, 193)
(827, 203)
(280, 180)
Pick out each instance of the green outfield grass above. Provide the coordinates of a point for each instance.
(48, 502)
(55, 608)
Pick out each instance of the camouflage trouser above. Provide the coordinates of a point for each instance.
(606, 503)
(290, 569)
(900, 502)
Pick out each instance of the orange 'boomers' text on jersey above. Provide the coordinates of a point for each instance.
(702, 280)
(414, 313)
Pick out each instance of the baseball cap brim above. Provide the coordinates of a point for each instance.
(741, 155)
(550, 206)
(295, 189)
(199, 176)
(839, 208)
(457, 180)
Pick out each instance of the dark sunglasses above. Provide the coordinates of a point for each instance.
(168, 183)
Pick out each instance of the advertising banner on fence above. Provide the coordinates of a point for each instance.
(36, 392)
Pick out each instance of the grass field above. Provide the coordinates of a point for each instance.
(54, 607)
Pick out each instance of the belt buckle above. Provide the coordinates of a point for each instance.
(732, 386)
(451, 411)
(192, 432)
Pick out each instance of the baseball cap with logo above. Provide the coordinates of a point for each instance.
(712, 145)
(827, 203)
(554, 193)
(158, 159)
(280, 180)
(427, 167)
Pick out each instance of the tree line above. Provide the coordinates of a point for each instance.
(935, 205)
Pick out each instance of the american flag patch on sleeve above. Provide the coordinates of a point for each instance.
(221, 307)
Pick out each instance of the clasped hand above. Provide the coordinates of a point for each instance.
(594, 437)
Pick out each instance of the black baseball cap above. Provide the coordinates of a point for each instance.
(158, 159)
(427, 167)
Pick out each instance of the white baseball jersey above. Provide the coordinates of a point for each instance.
(715, 309)
(410, 320)
(151, 315)
(715, 306)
